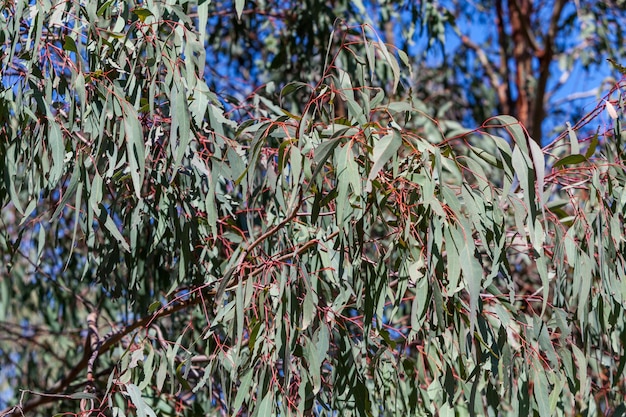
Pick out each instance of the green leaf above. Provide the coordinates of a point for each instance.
(69, 192)
(83, 396)
(142, 13)
(570, 160)
(324, 151)
(592, 146)
(486, 156)
(573, 139)
(292, 87)
(104, 7)
(243, 391)
(617, 66)
(309, 309)
(161, 372)
(110, 225)
(540, 391)
(69, 44)
(148, 369)
(392, 62)
(154, 307)
(266, 407)
(539, 165)
(472, 272)
(180, 134)
(581, 364)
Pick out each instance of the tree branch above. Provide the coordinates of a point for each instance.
(498, 85)
(54, 393)
(524, 12)
(226, 279)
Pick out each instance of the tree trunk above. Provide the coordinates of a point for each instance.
(519, 15)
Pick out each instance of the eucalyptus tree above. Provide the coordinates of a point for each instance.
(543, 62)
(176, 245)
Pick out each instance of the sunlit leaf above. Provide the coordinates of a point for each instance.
(135, 147)
(142, 13)
(239, 7)
(384, 149)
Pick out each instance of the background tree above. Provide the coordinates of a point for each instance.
(175, 246)
(523, 57)
(471, 60)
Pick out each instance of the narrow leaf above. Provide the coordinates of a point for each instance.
(57, 152)
(573, 139)
(539, 163)
(266, 408)
(540, 390)
(135, 396)
(592, 146)
(142, 13)
(570, 160)
(239, 7)
(135, 147)
(384, 150)
(617, 66)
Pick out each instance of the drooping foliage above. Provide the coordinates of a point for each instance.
(314, 248)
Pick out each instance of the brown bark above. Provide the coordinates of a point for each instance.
(545, 59)
(519, 17)
(529, 105)
(505, 88)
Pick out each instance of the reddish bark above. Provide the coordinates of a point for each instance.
(519, 17)
(529, 103)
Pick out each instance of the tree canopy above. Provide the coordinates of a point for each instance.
(279, 208)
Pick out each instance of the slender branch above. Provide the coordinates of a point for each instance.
(577, 96)
(24, 340)
(226, 281)
(497, 84)
(554, 20)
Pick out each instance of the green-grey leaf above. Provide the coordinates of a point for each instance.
(57, 151)
(135, 147)
(239, 7)
(384, 149)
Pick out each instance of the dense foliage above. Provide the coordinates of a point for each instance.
(329, 244)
